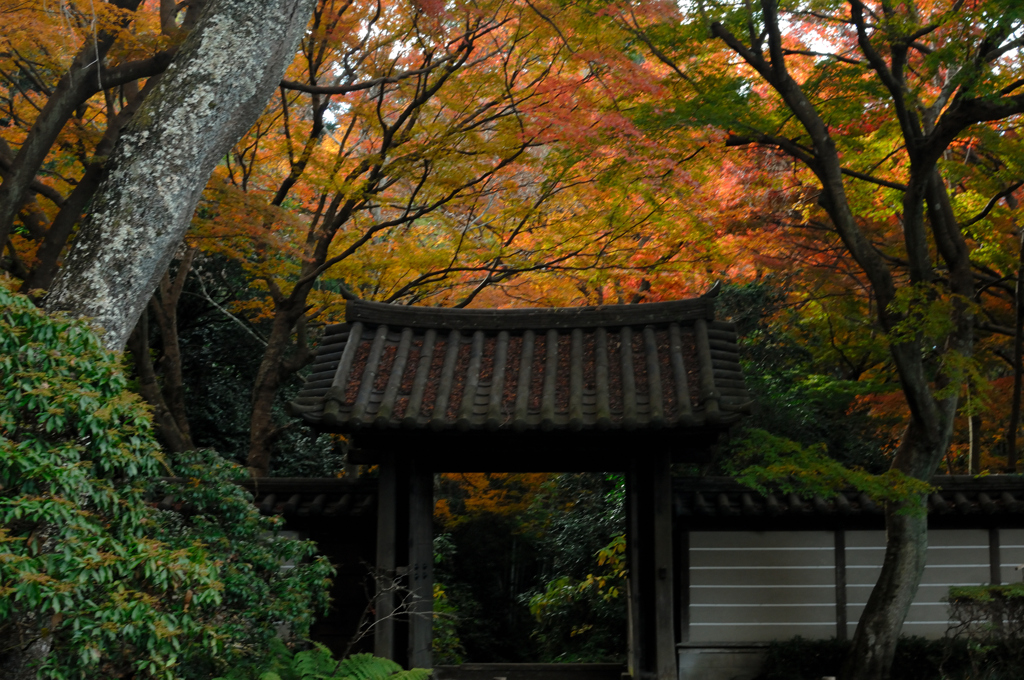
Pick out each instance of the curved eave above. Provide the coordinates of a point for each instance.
(344, 424)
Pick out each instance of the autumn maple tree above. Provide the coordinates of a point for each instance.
(412, 153)
(897, 121)
(430, 155)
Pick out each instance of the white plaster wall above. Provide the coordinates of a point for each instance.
(955, 558)
(750, 586)
(1011, 554)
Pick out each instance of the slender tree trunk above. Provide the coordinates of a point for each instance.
(165, 308)
(220, 79)
(1018, 350)
(149, 387)
(275, 368)
(879, 627)
(974, 433)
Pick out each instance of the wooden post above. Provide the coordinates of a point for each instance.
(387, 558)
(634, 589)
(652, 629)
(421, 559)
(664, 611)
(994, 559)
(683, 581)
(840, 578)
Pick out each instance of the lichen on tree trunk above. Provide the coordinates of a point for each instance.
(210, 95)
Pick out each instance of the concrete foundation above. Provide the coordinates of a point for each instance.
(725, 662)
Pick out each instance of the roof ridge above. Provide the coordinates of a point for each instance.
(532, 318)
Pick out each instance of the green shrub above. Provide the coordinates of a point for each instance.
(95, 581)
(800, 659)
(446, 646)
(916, 659)
(580, 620)
(990, 620)
(319, 664)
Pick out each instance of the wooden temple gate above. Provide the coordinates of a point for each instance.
(630, 388)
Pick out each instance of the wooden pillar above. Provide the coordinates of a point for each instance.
(664, 591)
(840, 579)
(390, 629)
(652, 618)
(682, 565)
(387, 557)
(994, 559)
(421, 560)
(634, 585)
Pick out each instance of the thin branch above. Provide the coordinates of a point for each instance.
(992, 204)
(206, 296)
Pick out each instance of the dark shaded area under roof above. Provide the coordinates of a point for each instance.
(703, 503)
(615, 367)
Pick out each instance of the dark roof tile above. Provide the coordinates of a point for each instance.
(617, 366)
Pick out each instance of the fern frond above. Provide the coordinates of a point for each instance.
(365, 667)
(316, 664)
(412, 674)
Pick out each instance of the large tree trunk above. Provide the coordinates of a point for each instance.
(906, 544)
(214, 90)
(879, 627)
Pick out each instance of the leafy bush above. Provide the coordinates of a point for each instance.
(580, 620)
(990, 620)
(95, 580)
(507, 537)
(319, 664)
(916, 659)
(445, 644)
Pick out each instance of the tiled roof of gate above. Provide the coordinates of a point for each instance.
(663, 364)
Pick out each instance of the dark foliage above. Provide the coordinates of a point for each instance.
(990, 620)
(492, 564)
(916, 659)
(220, 358)
(803, 389)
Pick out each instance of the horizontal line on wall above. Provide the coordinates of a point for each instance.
(812, 604)
(788, 623)
(829, 548)
(809, 604)
(979, 546)
(732, 587)
(763, 568)
(923, 585)
(912, 604)
(976, 565)
(912, 623)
